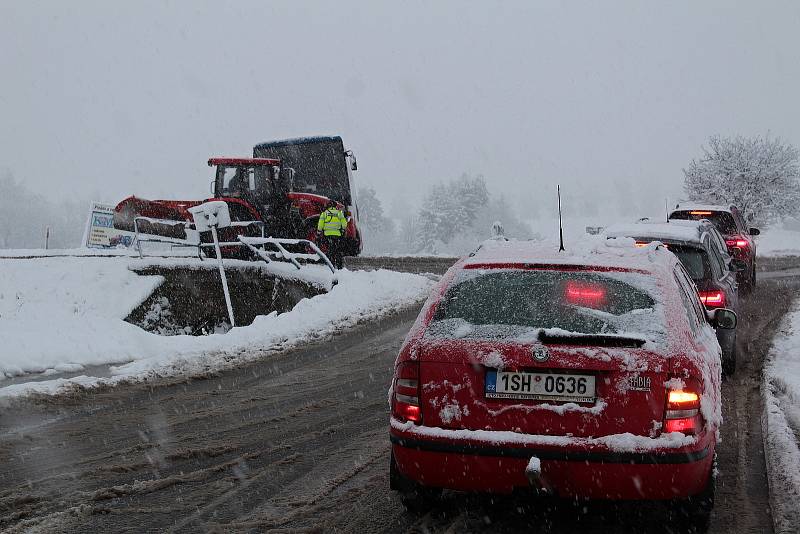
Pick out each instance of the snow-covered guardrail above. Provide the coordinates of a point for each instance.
(280, 253)
(192, 239)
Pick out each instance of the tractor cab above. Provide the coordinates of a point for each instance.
(260, 182)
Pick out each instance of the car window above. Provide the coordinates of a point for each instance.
(694, 260)
(739, 219)
(723, 220)
(715, 262)
(719, 244)
(519, 303)
(695, 310)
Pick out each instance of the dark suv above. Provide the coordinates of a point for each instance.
(738, 236)
(702, 251)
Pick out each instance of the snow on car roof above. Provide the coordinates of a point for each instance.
(591, 251)
(691, 206)
(687, 231)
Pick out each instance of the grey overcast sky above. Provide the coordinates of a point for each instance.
(103, 99)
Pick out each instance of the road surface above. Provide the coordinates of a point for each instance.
(299, 443)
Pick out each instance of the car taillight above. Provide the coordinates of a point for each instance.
(701, 212)
(683, 411)
(736, 241)
(712, 299)
(405, 397)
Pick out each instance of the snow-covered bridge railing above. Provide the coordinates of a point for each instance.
(184, 234)
(271, 249)
(191, 239)
(192, 236)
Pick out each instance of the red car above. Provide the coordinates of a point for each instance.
(591, 374)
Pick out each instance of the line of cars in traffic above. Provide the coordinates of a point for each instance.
(590, 373)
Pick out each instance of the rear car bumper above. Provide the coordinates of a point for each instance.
(570, 470)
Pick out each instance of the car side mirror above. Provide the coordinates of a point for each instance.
(755, 231)
(722, 318)
(213, 183)
(738, 266)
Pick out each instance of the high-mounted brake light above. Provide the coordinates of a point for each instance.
(712, 299)
(701, 212)
(642, 244)
(585, 294)
(683, 412)
(405, 394)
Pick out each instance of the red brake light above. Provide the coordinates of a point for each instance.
(683, 412)
(585, 294)
(712, 299)
(405, 395)
(701, 212)
(685, 426)
(737, 241)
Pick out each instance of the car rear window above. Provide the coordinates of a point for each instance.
(521, 303)
(721, 219)
(694, 260)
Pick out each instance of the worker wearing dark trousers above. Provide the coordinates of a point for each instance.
(332, 223)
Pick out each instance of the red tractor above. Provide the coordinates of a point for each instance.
(264, 194)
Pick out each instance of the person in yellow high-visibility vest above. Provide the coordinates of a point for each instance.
(332, 224)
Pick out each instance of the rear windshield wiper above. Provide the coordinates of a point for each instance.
(591, 340)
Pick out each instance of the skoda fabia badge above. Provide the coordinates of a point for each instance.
(540, 354)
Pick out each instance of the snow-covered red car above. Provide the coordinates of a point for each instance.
(586, 374)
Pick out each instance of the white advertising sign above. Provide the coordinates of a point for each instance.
(100, 231)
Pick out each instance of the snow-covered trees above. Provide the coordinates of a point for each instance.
(24, 217)
(457, 215)
(370, 211)
(760, 175)
(377, 230)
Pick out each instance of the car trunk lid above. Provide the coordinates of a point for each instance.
(538, 388)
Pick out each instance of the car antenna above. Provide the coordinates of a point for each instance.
(666, 208)
(560, 225)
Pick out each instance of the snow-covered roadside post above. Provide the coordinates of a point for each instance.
(210, 216)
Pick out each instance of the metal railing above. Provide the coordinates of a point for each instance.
(192, 239)
(280, 253)
(268, 249)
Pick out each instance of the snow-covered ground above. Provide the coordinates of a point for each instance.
(63, 314)
(781, 420)
(780, 240)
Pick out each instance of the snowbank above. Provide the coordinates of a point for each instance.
(62, 314)
(781, 425)
(57, 312)
(780, 240)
